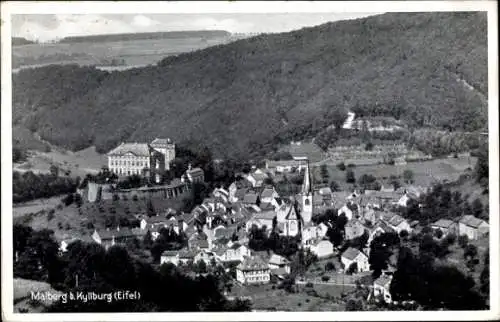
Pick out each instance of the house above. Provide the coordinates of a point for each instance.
(152, 222)
(381, 288)
(235, 253)
(282, 166)
(378, 229)
(398, 223)
(193, 175)
(292, 222)
(353, 255)
(111, 237)
(63, 245)
(253, 270)
(353, 229)
(445, 225)
(268, 195)
(264, 218)
(472, 227)
(206, 256)
(186, 256)
(170, 256)
(221, 193)
(321, 247)
(257, 178)
(349, 209)
(277, 262)
(199, 241)
(310, 233)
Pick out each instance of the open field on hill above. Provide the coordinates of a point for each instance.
(425, 172)
(78, 163)
(134, 52)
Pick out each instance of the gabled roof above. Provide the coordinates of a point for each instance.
(158, 141)
(138, 149)
(292, 214)
(267, 193)
(195, 172)
(383, 280)
(266, 215)
(278, 260)
(250, 198)
(155, 220)
(254, 263)
(396, 220)
(170, 253)
(471, 221)
(351, 253)
(443, 223)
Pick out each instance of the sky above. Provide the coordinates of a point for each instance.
(48, 27)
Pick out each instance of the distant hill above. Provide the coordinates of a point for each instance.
(147, 35)
(249, 96)
(18, 41)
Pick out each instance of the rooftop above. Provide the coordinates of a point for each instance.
(471, 221)
(351, 253)
(443, 223)
(137, 149)
(254, 263)
(158, 141)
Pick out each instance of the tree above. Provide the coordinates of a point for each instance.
(54, 170)
(352, 268)
(341, 166)
(150, 208)
(350, 177)
(148, 240)
(463, 241)
(334, 186)
(408, 176)
(329, 266)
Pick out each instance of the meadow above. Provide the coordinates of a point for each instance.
(137, 52)
(425, 173)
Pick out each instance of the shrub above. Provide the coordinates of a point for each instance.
(341, 166)
(309, 284)
(325, 278)
(463, 241)
(329, 266)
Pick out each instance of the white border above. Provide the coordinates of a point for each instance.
(7, 9)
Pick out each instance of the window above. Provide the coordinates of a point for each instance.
(307, 202)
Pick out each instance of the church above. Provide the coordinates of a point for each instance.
(294, 217)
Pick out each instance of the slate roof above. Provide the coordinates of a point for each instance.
(138, 149)
(170, 253)
(351, 253)
(443, 223)
(195, 172)
(161, 141)
(250, 198)
(278, 260)
(254, 263)
(269, 215)
(267, 193)
(471, 221)
(383, 280)
(396, 220)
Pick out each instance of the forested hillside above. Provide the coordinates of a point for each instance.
(428, 69)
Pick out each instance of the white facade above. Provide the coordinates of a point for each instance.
(471, 232)
(361, 260)
(261, 276)
(322, 249)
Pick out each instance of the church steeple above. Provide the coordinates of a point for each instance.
(307, 183)
(307, 196)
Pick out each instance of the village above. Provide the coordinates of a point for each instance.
(257, 235)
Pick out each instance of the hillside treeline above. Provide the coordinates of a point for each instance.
(91, 268)
(246, 97)
(28, 186)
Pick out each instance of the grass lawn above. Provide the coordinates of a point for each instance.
(37, 205)
(78, 163)
(72, 222)
(266, 298)
(425, 172)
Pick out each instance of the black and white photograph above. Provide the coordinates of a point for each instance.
(336, 161)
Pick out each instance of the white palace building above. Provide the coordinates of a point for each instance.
(142, 158)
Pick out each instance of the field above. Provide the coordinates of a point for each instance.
(73, 222)
(22, 295)
(265, 298)
(140, 52)
(425, 172)
(78, 163)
